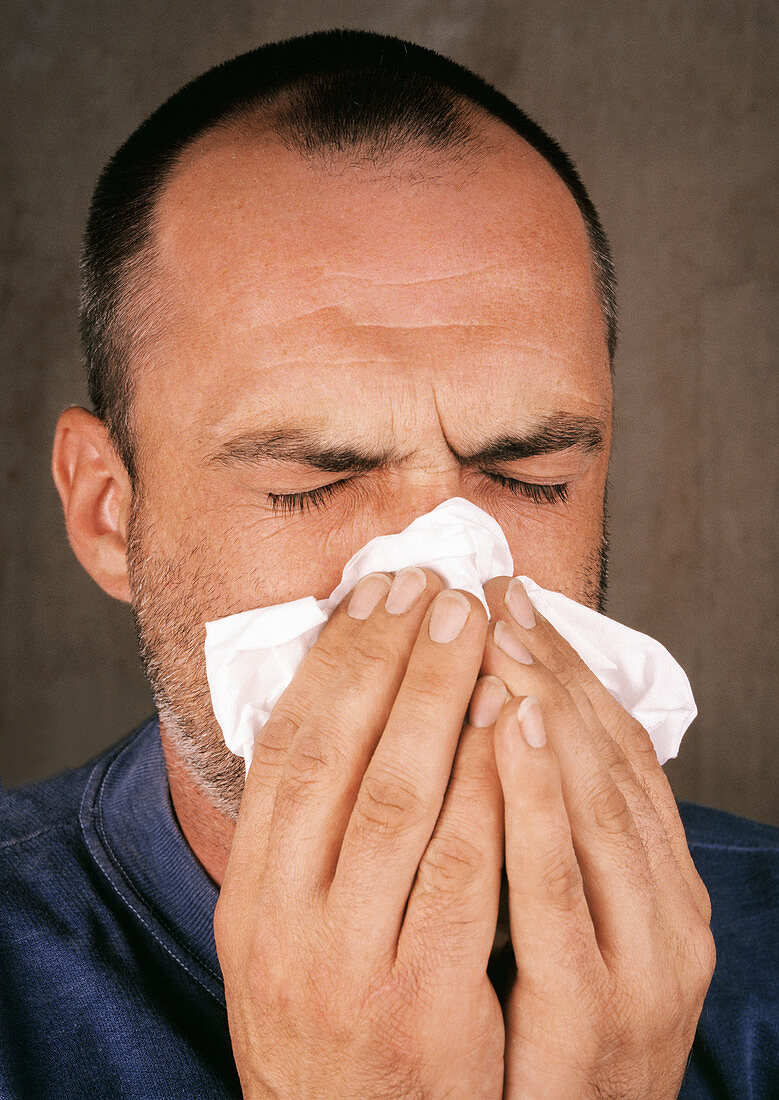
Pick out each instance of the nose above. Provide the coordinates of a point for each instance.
(421, 490)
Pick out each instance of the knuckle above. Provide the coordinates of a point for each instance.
(271, 746)
(560, 654)
(475, 755)
(561, 881)
(222, 924)
(554, 696)
(387, 805)
(609, 808)
(423, 696)
(639, 745)
(479, 792)
(621, 771)
(704, 953)
(317, 757)
(309, 767)
(615, 759)
(321, 662)
(371, 657)
(450, 862)
(703, 899)
(558, 664)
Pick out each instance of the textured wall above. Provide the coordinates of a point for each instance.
(666, 109)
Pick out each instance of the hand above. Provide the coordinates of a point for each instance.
(359, 905)
(609, 919)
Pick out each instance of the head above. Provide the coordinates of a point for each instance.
(327, 286)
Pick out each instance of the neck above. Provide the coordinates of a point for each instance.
(207, 831)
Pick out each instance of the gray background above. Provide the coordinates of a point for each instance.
(666, 108)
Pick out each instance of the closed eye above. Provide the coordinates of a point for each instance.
(290, 503)
(287, 503)
(535, 491)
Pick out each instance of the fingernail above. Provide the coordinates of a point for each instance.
(487, 701)
(531, 722)
(408, 586)
(518, 603)
(506, 639)
(450, 611)
(367, 594)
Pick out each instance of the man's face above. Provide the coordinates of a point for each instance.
(342, 350)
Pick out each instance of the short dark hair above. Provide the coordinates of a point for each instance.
(327, 92)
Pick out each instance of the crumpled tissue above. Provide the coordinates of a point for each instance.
(251, 657)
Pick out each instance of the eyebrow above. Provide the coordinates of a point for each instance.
(556, 432)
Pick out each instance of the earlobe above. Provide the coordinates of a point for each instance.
(96, 495)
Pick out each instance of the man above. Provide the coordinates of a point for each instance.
(326, 287)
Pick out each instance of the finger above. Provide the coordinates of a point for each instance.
(621, 740)
(340, 710)
(312, 682)
(271, 747)
(552, 932)
(403, 788)
(452, 911)
(670, 886)
(272, 743)
(618, 882)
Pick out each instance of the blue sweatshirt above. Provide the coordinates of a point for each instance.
(110, 984)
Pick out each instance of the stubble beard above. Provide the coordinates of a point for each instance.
(171, 601)
(170, 606)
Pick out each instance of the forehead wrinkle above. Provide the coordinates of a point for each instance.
(325, 312)
(456, 346)
(432, 326)
(421, 281)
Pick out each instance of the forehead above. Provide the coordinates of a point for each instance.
(277, 274)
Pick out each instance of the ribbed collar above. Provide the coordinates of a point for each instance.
(131, 831)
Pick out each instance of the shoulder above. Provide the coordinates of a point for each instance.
(45, 865)
(738, 861)
(36, 815)
(29, 814)
(707, 828)
(737, 1044)
(97, 987)
(48, 879)
(53, 895)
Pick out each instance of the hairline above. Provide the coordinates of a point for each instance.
(136, 306)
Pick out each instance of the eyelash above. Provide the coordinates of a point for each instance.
(539, 494)
(289, 503)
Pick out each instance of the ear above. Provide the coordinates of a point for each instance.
(96, 495)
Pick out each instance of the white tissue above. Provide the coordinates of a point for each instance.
(251, 657)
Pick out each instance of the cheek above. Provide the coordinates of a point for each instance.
(235, 557)
(560, 550)
(302, 555)
(257, 561)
